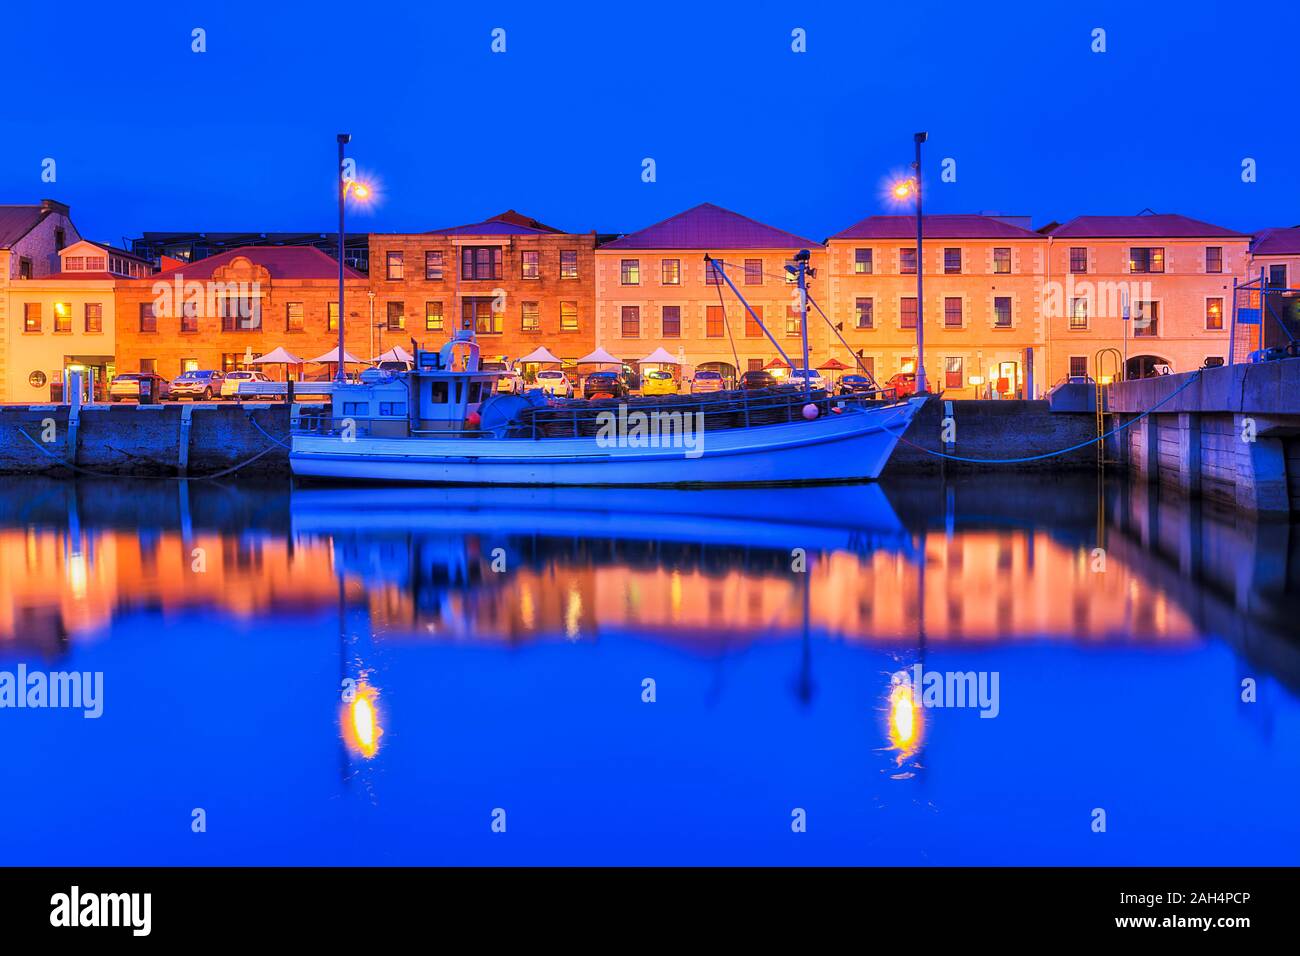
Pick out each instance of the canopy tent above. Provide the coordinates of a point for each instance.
(599, 357)
(776, 363)
(395, 354)
(332, 358)
(278, 356)
(539, 356)
(833, 365)
(661, 356)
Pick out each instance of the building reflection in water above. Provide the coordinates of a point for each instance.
(73, 558)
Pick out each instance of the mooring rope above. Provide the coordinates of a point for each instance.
(1051, 454)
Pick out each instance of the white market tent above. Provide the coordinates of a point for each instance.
(661, 356)
(395, 354)
(599, 357)
(540, 355)
(279, 356)
(332, 357)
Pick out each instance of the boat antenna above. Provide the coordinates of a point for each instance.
(735, 356)
(801, 264)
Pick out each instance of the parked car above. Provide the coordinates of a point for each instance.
(758, 378)
(131, 384)
(230, 387)
(605, 384)
(706, 380)
(903, 384)
(510, 383)
(658, 382)
(798, 376)
(555, 383)
(197, 384)
(855, 384)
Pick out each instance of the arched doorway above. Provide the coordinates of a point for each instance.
(1147, 366)
(725, 369)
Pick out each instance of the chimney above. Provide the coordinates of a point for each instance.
(53, 205)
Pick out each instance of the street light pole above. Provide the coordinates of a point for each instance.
(921, 389)
(344, 139)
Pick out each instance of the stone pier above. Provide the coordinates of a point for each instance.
(1232, 435)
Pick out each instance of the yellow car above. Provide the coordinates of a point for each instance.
(658, 383)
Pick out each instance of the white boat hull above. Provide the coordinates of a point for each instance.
(850, 446)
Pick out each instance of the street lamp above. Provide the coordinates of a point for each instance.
(359, 191)
(902, 190)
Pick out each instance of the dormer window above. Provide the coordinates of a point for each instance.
(74, 264)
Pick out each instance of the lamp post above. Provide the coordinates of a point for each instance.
(359, 190)
(901, 191)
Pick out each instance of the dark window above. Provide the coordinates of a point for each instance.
(952, 312)
(433, 264)
(149, 366)
(190, 317)
(1079, 313)
(24, 267)
(1078, 366)
(32, 316)
(1146, 318)
(240, 314)
(753, 326)
(60, 239)
(1214, 258)
(951, 260)
(530, 264)
(712, 274)
(952, 372)
(1002, 311)
(480, 262)
(148, 321)
(392, 409)
(714, 322)
(753, 272)
(1146, 259)
(631, 321)
(862, 263)
(396, 316)
(94, 317)
(1078, 259)
(630, 272)
(568, 264)
(1277, 277)
(907, 261)
(1002, 260)
(396, 269)
(866, 313)
(433, 321)
(672, 327)
(907, 311)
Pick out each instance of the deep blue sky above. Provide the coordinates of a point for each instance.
(242, 136)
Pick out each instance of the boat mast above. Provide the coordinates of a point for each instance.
(801, 258)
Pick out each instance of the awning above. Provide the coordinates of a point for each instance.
(599, 357)
(833, 365)
(332, 357)
(395, 354)
(661, 356)
(278, 357)
(541, 355)
(777, 363)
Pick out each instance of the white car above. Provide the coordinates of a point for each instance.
(705, 381)
(555, 383)
(230, 386)
(798, 376)
(510, 383)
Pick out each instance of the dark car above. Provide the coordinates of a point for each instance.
(605, 384)
(757, 378)
(856, 384)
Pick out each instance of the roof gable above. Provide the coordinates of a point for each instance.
(1146, 226)
(963, 226)
(707, 226)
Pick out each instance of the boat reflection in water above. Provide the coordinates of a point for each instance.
(648, 676)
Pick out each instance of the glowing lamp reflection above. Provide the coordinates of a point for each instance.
(905, 721)
(361, 729)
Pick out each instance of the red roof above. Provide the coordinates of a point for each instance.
(707, 226)
(1149, 225)
(508, 223)
(282, 262)
(1279, 241)
(965, 226)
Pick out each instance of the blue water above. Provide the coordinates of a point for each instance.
(520, 689)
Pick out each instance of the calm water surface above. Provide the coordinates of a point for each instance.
(500, 643)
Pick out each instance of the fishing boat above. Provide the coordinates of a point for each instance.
(443, 422)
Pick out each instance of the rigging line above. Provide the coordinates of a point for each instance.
(727, 325)
(857, 358)
(727, 279)
(1050, 454)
